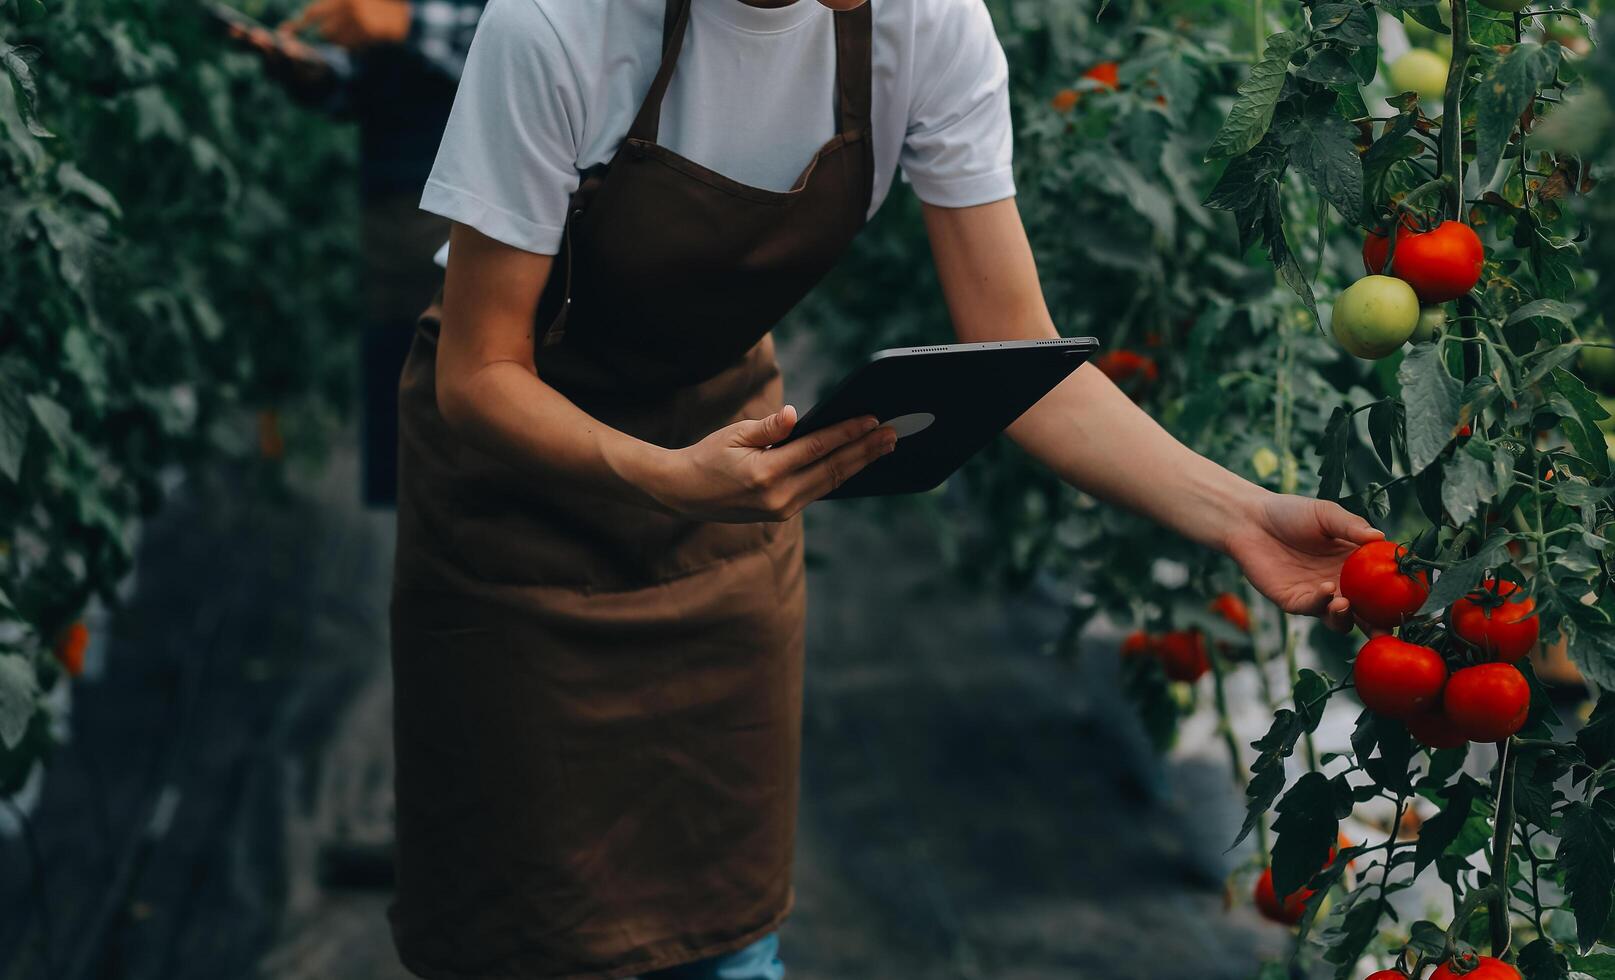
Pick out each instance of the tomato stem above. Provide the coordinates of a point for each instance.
(1497, 910)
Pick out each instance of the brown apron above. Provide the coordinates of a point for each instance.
(598, 706)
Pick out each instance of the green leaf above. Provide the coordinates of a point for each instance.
(1441, 830)
(1321, 147)
(1350, 23)
(72, 181)
(1583, 431)
(1431, 396)
(1328, 66)
(1427, 938)
(19, 691)
(1467, 484)
(1278, 252)
(1334, 448)
(1504, 94)
(53, 419)
(1252, 112)
(1597, 738)
(14, 423)
(1306, 830)
(1591, 647)
(1599, 966)
(1462, 578)
(1552, 309)
(1540, 960)
(1587, 858)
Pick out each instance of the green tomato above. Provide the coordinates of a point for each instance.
(1375, 316)
(1422, 71)
(1598, 366)
(1506, 6)
(1432, 319)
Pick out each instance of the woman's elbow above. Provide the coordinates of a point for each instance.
(455, 405)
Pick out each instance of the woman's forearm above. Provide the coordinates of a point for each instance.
(505, 410)
(1094, 437)
(490, 395)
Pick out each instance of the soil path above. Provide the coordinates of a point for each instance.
(971, 808)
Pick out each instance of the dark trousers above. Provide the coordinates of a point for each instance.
(398, 279)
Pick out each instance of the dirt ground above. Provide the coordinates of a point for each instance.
(971, 808)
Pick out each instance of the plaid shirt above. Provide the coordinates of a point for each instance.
(440, 31)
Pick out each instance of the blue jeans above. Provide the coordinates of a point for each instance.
(759, 961)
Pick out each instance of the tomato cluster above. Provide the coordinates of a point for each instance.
(1182, 653)
(1482, 968)
(1377, 314)
(1486, 699)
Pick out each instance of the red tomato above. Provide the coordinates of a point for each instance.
(1065, 99)
(1183, 655)
(1441, 264)
(1133, 372)
(1490, 968)
(1288, 911)
(70, 647)
(1380, 593)
(1136, 643)
(1435, 730)
(1232, 608)
(1488, 702)
(1388, 975)
(1506, 629)
(1397, 678)
(1106, 73)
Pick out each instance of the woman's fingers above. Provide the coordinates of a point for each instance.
(818, 479)
(1338, 522)
(764, 432)
(783, 461)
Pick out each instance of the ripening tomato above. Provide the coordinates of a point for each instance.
(1487, 702)
(1397, 678)
(1441, 264)
(70, 647)
(1488, 968)
(1232, 608)
(1380, 592)
(1503, 628)
(1106, 73)
(1183, 655)
(1288, 911)
(1374, 316)
(1435, 730)
(1065, 99)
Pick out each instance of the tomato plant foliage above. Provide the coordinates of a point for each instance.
(176, 240)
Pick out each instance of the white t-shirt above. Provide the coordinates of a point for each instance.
(551, 87)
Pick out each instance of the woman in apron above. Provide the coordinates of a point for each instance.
(598, 601)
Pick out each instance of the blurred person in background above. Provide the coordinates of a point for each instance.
(598, 601)
(397, 81)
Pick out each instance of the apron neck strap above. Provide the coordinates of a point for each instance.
(854, 33)
(649, 120)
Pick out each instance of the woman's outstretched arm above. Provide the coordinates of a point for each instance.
(1093, 436)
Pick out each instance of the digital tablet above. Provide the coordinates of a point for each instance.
(945, 402)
